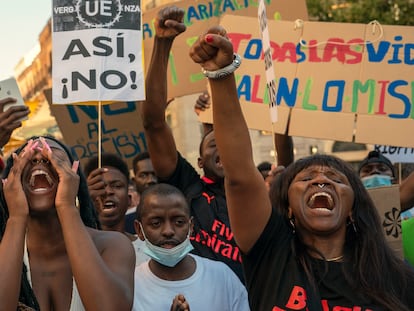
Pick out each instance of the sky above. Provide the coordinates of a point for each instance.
(20, 25)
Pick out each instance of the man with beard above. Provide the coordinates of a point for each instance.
(212, 237)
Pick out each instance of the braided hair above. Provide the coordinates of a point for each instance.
(86, 210)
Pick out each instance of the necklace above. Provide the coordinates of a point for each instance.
(335, 258)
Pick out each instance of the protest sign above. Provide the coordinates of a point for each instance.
(122, 131)
(397, 154)
(387, 202)
(341, 81)
(97, 51)
(184, 76)
(267, 54)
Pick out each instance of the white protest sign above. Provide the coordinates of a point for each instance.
(397, 154)
(267, 51)
(97, 51)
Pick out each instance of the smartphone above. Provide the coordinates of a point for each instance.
(9, 88)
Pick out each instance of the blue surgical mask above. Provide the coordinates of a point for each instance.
(374, 181)
(167, 256)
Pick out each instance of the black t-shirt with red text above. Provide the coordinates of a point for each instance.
(212, 237)
(275, 281)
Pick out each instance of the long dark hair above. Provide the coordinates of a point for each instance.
(86, 210)
(370, 266)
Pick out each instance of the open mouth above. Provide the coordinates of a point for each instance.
(321, 200)
(40, 181)
(218, 162)
(108, 205)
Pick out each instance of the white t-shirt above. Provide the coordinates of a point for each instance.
(140, 256)
(213, 286)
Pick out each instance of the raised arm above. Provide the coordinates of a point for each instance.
(247, 198)
(203, 103)
(10, 119)
(12, 241)
(161, 144)
(102, 265)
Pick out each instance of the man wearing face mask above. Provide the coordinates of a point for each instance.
(164, 223)
(376, 170)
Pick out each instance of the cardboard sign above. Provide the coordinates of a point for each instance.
(341, 81)
(97, 51)
(122, 131)
(387, 201)
(184, 76)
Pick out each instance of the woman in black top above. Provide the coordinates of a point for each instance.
(317, 243)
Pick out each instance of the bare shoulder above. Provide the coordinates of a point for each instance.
(110, 240)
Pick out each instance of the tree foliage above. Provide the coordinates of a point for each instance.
(387, 12)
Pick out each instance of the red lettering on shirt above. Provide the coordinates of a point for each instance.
(325, 307)
(236, 255)
(297, 299)
(222, 229)
(218, 226)
(218, 246)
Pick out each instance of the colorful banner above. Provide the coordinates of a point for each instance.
(97, 51)
(338, 81)
(184, 76)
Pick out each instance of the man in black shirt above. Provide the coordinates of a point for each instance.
(212, 236)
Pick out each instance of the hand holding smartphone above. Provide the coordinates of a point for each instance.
(9, 88)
